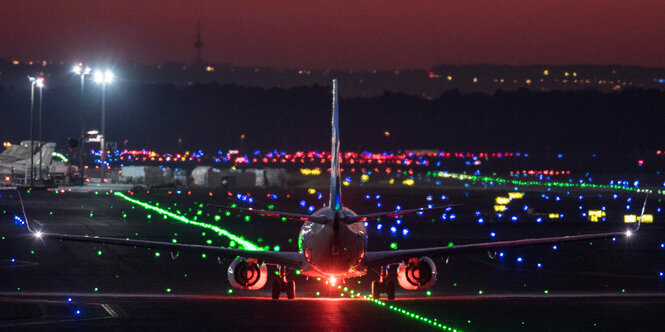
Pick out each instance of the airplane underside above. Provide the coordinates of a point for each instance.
(309, 271)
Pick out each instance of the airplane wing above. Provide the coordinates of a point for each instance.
(374, 216)
(292, 259)
(270, 213)
(397, 256)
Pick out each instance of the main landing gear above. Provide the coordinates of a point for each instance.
(282, 285)
(385, 284)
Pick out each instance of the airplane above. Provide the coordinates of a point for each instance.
(334, 244)
(15, 160)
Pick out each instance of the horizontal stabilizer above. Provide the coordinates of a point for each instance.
(270, 213)
(374, 216)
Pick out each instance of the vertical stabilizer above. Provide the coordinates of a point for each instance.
(335, 176)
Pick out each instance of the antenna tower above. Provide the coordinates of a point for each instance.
(198, 45)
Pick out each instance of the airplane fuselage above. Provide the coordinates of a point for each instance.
(335, 249)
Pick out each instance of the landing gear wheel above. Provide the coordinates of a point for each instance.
(390, 289)
(291, 290)
(390, 282)
(376, 289)
(276, 289)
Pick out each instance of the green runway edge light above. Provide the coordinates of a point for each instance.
(60, 156)
(464, 177)
(251, 246)
(408, 314)
(220, 231)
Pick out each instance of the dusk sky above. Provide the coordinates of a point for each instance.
(338, 34)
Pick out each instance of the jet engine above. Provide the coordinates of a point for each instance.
(417, 273)
(246, 273)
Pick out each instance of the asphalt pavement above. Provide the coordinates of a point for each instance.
(603, 285)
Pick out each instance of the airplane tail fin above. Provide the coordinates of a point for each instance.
(335, 175)
(46, 153)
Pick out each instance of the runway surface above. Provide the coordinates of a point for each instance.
(600, 285)
(154, 312)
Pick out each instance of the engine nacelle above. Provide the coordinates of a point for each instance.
(417, 273)
(246, 273)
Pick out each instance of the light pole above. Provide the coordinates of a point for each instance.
(40, 85)
(103, 78)
(33, 81)
(80, 70)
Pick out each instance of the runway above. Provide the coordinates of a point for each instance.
(604, 285)
(204, 312)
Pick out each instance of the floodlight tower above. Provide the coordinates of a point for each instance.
(103, 78)
(81, 70)
(40, 85)
(40, 82)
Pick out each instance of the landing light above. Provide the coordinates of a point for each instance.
(629, 233)
(38, 235)
(333, 281)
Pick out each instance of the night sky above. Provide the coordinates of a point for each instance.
(338, 34)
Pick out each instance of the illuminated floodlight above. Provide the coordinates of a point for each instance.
(103, 77)
(38, 81)
(80, 69)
